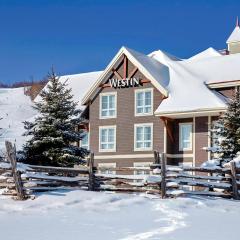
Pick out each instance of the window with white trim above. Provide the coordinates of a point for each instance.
(142, 171)
(107, 165)
(107, 139)
(144, 102)
(108, 105)
(84, 143)
(143, 137)
(185, 136)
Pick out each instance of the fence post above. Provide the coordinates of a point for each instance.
(91, 180)
(156, 157)
(234, 180)
(163, 175)
(11, 154)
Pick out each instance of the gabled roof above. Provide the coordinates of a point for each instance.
(155, 71)
(163, 56)
(185, 83)
(79, 83)
(208, 53)
(235, 35)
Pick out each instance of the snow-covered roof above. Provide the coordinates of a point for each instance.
(188, 90)
(154, 70)
(235, 35)
(79, 83)
(184, 82)
(216, 69)
(188, 93)
(153, 66)
(208, 53)
(164, 56)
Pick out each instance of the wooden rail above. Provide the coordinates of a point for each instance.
(159, 178)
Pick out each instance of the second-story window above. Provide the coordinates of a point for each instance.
(144, 102)
(108, 105)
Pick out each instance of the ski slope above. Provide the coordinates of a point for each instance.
(15, 107)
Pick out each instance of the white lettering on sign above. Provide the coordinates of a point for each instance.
(124, 83)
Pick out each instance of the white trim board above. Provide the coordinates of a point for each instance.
(184, 155)
(232, 83)
(124, 156)
(197, 113)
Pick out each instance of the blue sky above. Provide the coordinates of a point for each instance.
(80, 36)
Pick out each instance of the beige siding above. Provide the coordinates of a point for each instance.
(125, 120)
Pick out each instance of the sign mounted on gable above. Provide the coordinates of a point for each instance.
(124, 83)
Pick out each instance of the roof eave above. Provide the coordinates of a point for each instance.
(222, 84)
(191, 113)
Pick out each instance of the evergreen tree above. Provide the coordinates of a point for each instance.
(53, 132)
(0, 127)
(227, 129)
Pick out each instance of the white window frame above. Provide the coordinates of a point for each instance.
(99, 138)
(100, 103)
(88, 141)
(141, 164)
(181, 148)
(135, 136)
(107, 165)
(135, 105)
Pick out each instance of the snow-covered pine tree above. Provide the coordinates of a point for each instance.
(53, 132)
(227, 129)
(0, 127)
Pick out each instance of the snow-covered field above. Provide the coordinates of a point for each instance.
(86, 215)
(15, 107)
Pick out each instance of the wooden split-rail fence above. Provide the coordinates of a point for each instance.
(23, 181)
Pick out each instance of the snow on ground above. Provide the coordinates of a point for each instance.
(106, 216)
(15, 107)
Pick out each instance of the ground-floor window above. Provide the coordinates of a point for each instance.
(84, 143)
(141, 171)
(107, 165)
(143, 137)
(185, 136)
(107, 138)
